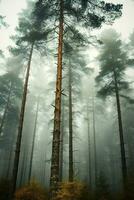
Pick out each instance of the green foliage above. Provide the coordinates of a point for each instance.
(30, 30)
(6, 80)
(2, 24)
(1, 54)
(32, 191)
(129, 99)
(5, 186)
(112, 58)
(74, 59)
(10, 95)
(84, 4)
(89, 13)
(44, 10)
(108, 12)
(94, 21)
(132, 39)
(75, 36)
(72, 190)
(2, 21)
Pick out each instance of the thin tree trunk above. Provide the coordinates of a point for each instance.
(89, 147)
(6, 109)
(62, 142)
(22, 168)
(71, 171)
(122, 145)
(45, 168)
(20, 127)
(112, 168)
(33, 142)
(25, 174)
(54, 177)
(9, 163)
(94, 137)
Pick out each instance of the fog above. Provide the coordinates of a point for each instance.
(66, 99)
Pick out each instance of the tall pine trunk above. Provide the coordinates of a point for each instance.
(33, 142)
(45, 168)
(9, 163)
(54, 177)
(94, 138)
(62, 142)
(22, 168)
(89, 148)
(6, 109)
(20, 126)
(122, 145)
(71, 172)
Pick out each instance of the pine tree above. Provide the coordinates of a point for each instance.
(10, 94)
(78, 12)
(33, 141)
(76, 68)
(62, 139)
(87, 118)
(112, 81)
(10, 89)
(30, 35)
(94, 138)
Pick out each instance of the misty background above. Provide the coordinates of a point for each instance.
(95, 121)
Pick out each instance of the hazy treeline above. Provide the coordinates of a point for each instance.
(66, 115)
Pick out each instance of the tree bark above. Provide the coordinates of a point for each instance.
(94, 137)
(45, 168)
(122, 145)
(9, 163)
(89, 148)
(62, 142)
(71, 171)
(22, 168)
(20, 126)
(54, 177)
(33, 142)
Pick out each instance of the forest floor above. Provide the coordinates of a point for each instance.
(67, 191)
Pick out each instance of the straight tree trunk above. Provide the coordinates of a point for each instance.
(6, 109)
(25, 174)
(9, 163)
(71, 171)
(62, 142)
(45, 168)
(89, 147)
(20, 127)
(94, 137)
(122, 145)
(33, 142)
(54, 177)
(22, 168)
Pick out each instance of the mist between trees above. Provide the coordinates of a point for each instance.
(66, 104)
